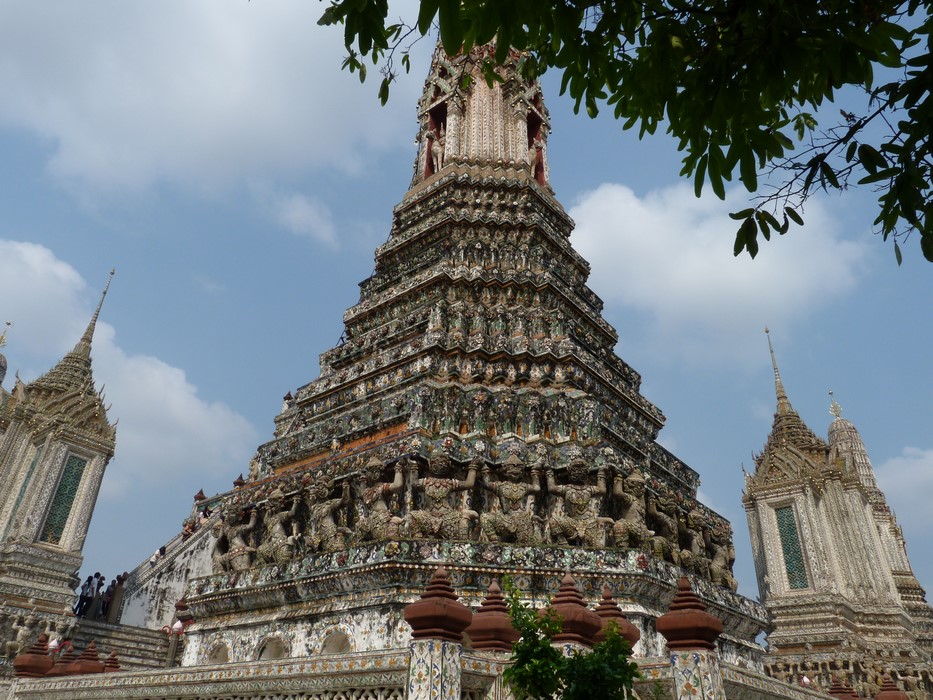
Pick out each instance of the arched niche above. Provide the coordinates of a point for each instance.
(336, 642)
(272, 648)
(219, 654)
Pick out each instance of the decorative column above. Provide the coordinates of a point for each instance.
(437, 623)
(491, 629)
(691, 635)
(609, 612)
(579, 624)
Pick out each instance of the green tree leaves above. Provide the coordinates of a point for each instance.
(738, 84)
(539, 670)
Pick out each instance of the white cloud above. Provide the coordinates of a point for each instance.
(302, 215)
(166, 428)
(41, 295)
(907, 481)
(202, 95)
(668, 256)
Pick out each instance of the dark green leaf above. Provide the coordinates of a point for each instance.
(700, 175)
(451, 27)
(926, 245)
(795, 217)
(426, 14)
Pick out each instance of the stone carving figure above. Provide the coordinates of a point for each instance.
(691, 530)
(324, 534)
(437, 518)
(25, 627)
(438, 148)
(232, 550)
(534, 154)
(281, 530)
(580, 522)
(722, 557)
(661, 511)
(514, 521)
(630, 529)
(377, 521)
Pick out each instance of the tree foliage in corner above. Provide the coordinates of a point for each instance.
(737, 82)
(539, 671)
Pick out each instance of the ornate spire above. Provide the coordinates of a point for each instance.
(834, 408)
(72, 377)
(783, 403)
(3, 335)
(84, 345)
(847, 448)
(788, 431)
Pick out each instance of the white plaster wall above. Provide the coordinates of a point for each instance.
(153, 591)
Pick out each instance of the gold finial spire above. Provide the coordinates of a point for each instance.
(834, 408)
(84, 345)
(782, 400)
(3, 335)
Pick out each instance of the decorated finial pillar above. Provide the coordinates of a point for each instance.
(691, 635)
(88, 661)
(437, 623)
(36, 661)
(491, 629)
(839, 689)
(609, 612)
(579, 624)
(890, 691)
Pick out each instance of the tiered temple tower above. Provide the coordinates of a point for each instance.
(55, 442)
(474, 415)
(831, 561)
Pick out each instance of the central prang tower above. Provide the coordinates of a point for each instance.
(473, 414)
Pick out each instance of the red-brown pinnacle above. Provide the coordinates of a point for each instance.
(608, 610)
(491, 628)
(62, 667)
(36, 661)
(439, 614)
(686, 624)
(579, 624)
(890, 691)
(239, 481)
(89, 660)
(838, 689)
(199, 496)
(112, 664)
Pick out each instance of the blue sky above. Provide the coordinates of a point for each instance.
(214, 153)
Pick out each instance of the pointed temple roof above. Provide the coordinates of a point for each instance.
(793, 450)
(788, 428)
(68, 388)
(73, 371)
(846, 444)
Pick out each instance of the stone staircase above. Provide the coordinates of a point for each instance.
(137, 648)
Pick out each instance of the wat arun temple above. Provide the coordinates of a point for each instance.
(473, 427)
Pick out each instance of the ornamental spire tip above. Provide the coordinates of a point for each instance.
(85, 343)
